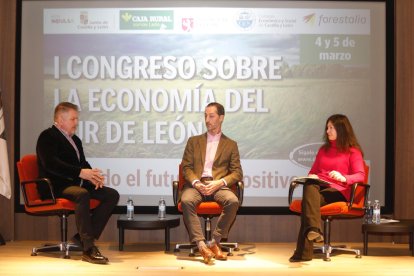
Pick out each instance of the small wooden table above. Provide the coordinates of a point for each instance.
(402, 226)
(147, 222)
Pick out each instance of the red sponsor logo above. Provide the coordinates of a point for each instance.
(187, 24)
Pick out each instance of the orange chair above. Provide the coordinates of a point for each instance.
(352, 209)
(206, 210)
(34, 205)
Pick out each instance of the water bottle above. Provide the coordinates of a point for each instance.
(130, 208)
(376, 217)
(368, 213)
(161, 208)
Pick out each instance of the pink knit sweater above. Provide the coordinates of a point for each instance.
(349, 164)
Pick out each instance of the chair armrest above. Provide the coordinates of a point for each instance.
(353, 191)
(175, 192)
(37, 181)
(293, 185)
(240, 192)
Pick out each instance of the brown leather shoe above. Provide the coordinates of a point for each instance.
(218, 254)
(206, 254)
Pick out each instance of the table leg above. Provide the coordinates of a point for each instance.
(365, 243)
(2, 242)
(121, 238)
(167, 239)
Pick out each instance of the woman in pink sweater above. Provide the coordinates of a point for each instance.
(340, 162)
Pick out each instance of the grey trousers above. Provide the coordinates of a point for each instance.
(191, 198)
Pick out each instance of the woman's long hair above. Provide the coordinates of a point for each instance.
(346, 138)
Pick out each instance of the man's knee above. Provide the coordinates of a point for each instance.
(233, 202)
(82, 195)
(113, 194)
(188, 201)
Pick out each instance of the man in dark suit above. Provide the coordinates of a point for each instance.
(211, 164)
(62, 160)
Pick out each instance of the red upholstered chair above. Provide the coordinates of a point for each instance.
(34, 205)
(206, 210)
(352, 209)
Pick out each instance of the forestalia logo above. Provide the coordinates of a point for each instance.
(309, 19)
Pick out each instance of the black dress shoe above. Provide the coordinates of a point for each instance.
(296, 259)
(93, 255)
(76, 240)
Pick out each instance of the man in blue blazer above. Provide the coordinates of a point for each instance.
(211, 164)
(61, 159)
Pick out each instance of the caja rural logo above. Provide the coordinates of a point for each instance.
(146, 20)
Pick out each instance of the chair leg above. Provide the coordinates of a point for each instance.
(207, 227)
(229, 247)
(63, 246)
(48, 248)
(64, 234)
(327, 248)
(191, 246)
(2, 242)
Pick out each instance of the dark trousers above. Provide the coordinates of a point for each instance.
(314, 196)
(191, 198)
(90, 223)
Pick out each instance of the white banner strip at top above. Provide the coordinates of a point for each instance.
(207, 21)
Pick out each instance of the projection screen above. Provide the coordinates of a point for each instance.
(143, 71)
